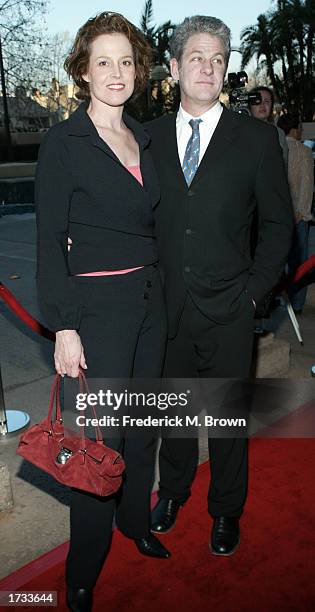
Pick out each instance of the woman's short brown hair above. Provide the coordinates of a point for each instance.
(76, 63)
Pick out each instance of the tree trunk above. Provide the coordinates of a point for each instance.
(309, 107)
(5, 109)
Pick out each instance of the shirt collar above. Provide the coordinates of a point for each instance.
(208, 117)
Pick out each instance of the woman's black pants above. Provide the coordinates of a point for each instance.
(123, 333)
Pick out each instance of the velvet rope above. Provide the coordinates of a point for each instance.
(304, 275)
(23, 315)
(301, 274)
(305, 268)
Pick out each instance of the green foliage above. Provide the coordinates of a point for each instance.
(283, 41)
(160, 97)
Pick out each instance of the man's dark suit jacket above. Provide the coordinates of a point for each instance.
(204, 231)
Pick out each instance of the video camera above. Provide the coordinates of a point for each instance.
(239, 99)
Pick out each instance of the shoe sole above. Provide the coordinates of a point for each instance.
(145, 554)
(153, 556)
(217, 554)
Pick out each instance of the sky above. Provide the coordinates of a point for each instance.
(69, 15)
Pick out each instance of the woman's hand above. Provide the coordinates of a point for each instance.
(69, 353)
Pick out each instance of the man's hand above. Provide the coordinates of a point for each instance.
(69, 244)
(69, 353)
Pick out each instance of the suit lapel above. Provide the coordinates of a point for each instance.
(170, 151)
(221, 139)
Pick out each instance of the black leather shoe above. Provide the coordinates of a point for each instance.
(163, 516)
(79, 600)
(225, 536)
(152, 547)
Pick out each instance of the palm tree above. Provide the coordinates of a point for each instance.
(309, 39)
(256, 41)
(293, 25)
(286, 35)
(157, 36)
(148, 106)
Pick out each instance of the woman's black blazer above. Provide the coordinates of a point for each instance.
(83, 191)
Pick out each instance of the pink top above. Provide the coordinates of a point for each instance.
(136, 172)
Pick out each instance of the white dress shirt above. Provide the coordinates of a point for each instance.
(210, 121)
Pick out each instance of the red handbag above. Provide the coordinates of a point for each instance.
(71, 459)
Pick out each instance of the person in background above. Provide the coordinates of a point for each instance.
(264, 111)
(96, 183)
(301, 181)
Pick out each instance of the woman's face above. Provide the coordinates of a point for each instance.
(111, 70)
(262, 110)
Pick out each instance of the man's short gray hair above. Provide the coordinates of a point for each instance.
(199, 24)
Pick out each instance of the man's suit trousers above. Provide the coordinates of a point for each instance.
(205, 349)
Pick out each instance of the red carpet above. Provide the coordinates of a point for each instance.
(274, 568)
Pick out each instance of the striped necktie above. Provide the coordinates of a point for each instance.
(191, 157)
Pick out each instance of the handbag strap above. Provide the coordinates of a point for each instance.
(83, 386)
(55, 400)
(55, 395)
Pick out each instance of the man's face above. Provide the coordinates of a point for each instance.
(262, 110)
(200, 72)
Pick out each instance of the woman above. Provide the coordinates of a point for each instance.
(264, 111)
(96, 183)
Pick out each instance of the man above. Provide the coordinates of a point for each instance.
(214, 167)
(301, 182)
(264, 112)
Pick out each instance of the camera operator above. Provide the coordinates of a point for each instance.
(239, 98)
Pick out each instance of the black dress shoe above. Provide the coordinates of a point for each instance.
(164, 515)
(152, 547)
(79, 600)
(225, 536)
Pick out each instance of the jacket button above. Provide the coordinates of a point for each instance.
(190, 193)
(146, 296)
(148, 284)
(187, 268)
(188, 231)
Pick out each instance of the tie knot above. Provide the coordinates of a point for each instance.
(194, 124)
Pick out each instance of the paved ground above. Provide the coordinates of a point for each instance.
(39, 520)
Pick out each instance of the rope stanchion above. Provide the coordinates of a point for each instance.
(12, 422)
(3, 417)
(304, 276)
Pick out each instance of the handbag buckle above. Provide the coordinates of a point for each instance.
(64, 455)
